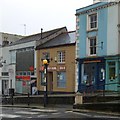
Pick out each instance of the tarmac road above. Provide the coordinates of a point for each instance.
(16, 113)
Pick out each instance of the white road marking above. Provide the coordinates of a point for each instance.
(42, 115)
(78, 113)
(105, 116)
(25, 112)
(9, 116)
(44, 110)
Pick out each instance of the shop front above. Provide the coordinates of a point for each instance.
(113, 73)
(56, 76)
(91, 75)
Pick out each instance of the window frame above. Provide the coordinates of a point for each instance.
(94, 22)
(61, 83)
(93, 46)
(61, 56)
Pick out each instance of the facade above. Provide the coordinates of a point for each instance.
(20, 56)
(97, 47)
(5, 77)
(61, 68)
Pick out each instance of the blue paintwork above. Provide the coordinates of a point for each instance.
(91, 7)
(102, 31)
(83, 34)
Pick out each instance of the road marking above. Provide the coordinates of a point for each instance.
(44, 110)
(42, 115)
(78, 113)
(25, 112)
(105, 116)
(9, 116)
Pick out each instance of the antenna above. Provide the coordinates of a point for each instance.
(24, 29)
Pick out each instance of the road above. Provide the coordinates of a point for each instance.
(29, 113)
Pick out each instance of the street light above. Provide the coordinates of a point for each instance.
(45, 63)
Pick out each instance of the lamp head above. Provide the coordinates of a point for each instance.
(45, 62)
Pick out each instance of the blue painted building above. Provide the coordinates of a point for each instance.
(98, 47)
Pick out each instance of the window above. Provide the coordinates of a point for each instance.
(61, 56)
(13, 56)
(92, 21)
(111, 70)
(92, 46)
(5, 74)
(61, 79)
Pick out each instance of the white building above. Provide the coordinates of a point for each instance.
(5, 40)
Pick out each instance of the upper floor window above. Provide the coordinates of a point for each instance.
(92, 46)
(61, 56)
(13, 56)
(92, 21)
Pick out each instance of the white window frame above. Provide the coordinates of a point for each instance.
(88, 22)
(61, 56)
(89, 47)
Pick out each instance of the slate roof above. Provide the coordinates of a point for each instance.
(37, 37)
(66, 38)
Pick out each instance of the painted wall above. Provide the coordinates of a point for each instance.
(69, 65)
(82, 35)
(101, 34)
(107, 32)
(112, 31)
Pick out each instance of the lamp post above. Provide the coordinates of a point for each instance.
(45, 63)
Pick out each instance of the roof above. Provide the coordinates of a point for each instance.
(66, 38)
(37, 37)
(91, 7)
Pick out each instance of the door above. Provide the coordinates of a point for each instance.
(5, 84)
(50, 81)
(111, 81)
(101, 76)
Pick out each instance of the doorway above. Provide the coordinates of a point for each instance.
(50, 81)
(5, 87)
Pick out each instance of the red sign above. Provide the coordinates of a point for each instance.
(31, 68)
(23, 77)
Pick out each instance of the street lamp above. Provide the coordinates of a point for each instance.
(45, 63)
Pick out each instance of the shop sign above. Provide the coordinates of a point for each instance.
(92, 61)
(52, 68)
(23, 77)
(62, 68)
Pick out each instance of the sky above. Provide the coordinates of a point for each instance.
(26, 17)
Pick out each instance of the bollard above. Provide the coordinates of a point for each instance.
(78, 98)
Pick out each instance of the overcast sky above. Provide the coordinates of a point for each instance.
(37, 14)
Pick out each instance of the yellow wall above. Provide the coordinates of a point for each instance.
(69, 65)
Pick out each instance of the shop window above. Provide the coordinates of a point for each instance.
(88, 74)
(61, 79)
(111, 68)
